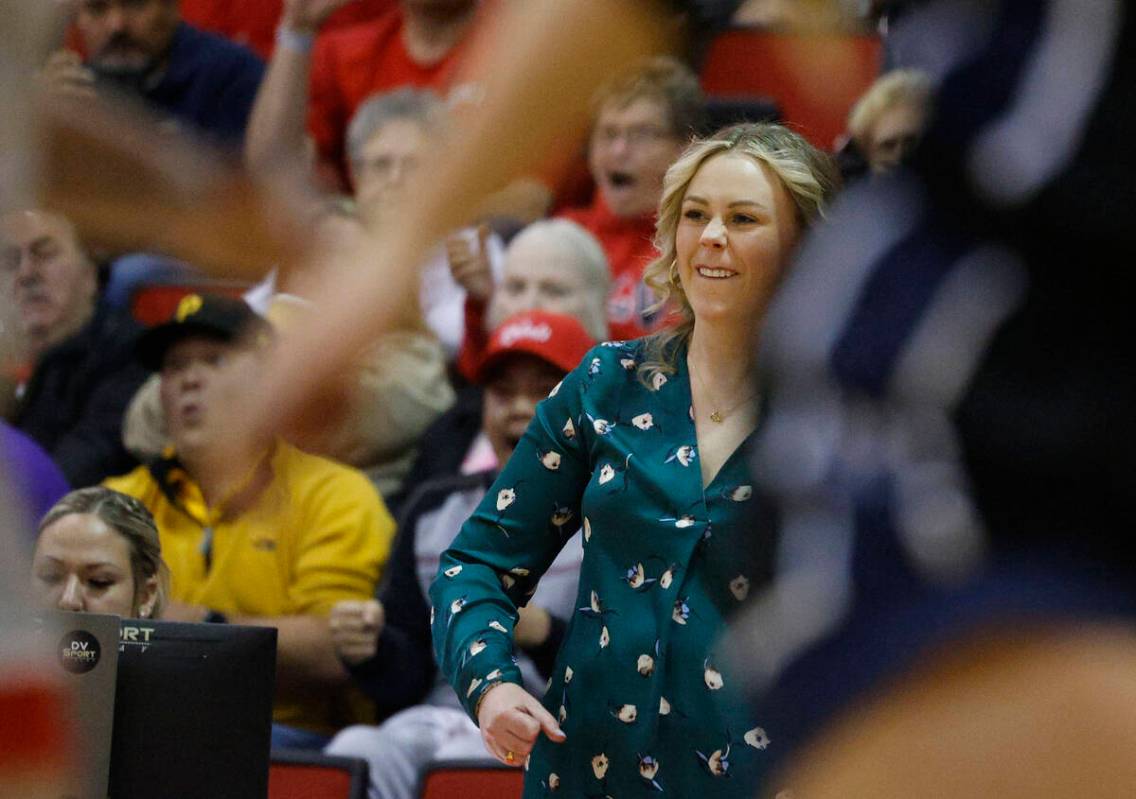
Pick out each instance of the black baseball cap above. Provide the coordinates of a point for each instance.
(224, 318)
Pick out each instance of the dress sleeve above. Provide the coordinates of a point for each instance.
(499, 555)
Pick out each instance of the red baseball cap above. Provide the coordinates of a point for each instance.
(556, 338)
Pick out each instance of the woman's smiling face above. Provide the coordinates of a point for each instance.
(736, 230)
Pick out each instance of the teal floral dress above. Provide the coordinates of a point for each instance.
(647, 705)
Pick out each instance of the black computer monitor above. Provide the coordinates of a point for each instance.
(193, 710)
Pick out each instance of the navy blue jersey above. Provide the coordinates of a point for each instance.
(951, 435)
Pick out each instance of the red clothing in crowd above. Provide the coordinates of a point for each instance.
(253, 22)
(351, 64)
(475, 340)
(627, 243)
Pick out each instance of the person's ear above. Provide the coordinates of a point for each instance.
(148, 598)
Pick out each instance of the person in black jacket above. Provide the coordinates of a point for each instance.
(81, 354)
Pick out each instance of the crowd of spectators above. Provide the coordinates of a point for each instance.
(341, 102)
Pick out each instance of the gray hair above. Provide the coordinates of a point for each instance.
(421, 106)
(580, 251)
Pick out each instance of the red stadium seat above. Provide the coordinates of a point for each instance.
(471, 779)
(303, 774)
(154, 303)
(813, 79)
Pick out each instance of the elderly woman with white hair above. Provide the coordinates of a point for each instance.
(551, 265)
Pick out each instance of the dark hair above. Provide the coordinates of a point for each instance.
(129, 518)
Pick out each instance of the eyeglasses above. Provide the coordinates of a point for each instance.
(384, 167)
(635, 135)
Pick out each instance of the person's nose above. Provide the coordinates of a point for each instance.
(714, 234)
(191, 376)
(28, 271)
(72, 596)
(115, 18)
(523, 407)
(618, 146)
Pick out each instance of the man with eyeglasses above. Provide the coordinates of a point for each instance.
(643, 120)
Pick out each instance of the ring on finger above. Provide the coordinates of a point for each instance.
(510, 757)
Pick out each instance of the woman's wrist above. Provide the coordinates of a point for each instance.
(485, 693)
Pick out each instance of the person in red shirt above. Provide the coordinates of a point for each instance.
(643, 120)
(419, 43)
(253, 22)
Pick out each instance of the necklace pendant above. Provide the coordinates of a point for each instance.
(716, 417)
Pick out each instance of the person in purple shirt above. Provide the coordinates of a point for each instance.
(32, 474)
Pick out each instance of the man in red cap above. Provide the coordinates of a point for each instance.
(386, 642)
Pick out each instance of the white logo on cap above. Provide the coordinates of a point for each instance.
(524, 330)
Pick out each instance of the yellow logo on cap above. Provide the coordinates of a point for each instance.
(189, 305)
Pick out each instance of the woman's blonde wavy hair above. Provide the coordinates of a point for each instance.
(809, 175)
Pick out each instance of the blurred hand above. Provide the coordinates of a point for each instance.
(308, 16)
(355, 628)
(469, 263)
(533, 627)
(65, 76)
(510, 719)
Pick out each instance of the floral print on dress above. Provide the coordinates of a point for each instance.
(648, 768)
(647, 706)
(685, 454)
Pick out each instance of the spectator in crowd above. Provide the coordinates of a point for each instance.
(419, 43)
(37, 481)
(386, 642)
(643, 120)
(83, 371)
(203, 81)
(98, 551)
(389, 136)
(281, 546)
(253, 22)
(400, 383)
(552, 265)
(887, 123)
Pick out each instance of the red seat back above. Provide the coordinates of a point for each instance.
(472, 780)
(295, 774)
(814, 79)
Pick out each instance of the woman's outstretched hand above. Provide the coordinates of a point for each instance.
(510, 719)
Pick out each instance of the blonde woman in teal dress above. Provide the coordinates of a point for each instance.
(640, 451)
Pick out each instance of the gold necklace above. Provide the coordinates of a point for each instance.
(717, 415)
